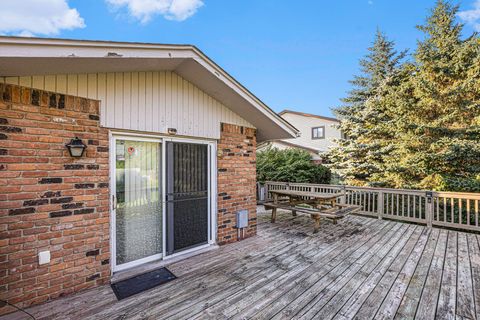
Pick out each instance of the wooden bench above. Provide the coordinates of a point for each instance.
(338, 211)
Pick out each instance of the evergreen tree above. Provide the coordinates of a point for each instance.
(359, 154)
(436, 111)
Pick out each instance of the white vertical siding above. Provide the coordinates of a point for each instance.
(305, 124)
(72, 84)
(25, 81)
(155, 102)
(61, 83)
(50, 83)
(143, 101)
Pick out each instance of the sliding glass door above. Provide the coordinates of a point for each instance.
(138, 197)
(160, 198)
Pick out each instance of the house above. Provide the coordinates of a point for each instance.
(113, 155)
(317, 134)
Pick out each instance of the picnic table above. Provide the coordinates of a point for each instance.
(317, 205)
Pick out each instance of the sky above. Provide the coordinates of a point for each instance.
(296, 55)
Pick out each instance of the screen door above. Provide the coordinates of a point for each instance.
(187, 183)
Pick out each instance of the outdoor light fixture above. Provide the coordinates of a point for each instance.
(76, 147)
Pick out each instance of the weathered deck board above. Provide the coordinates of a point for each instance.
(325, 288)
(465, 296)
(475, 264)
(326, 303)
(339, 296)
(381, 287)
(427, 305)
(411, 297)
(446, 308)
(360, 268)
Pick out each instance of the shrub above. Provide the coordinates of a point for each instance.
(290, 165)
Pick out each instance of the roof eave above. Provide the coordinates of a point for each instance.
(38, 48)
(308, 115)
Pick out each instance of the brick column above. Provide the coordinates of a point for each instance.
(236, 180)
(49, 200)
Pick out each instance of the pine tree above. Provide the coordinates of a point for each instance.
(359, 154)
(436, 111)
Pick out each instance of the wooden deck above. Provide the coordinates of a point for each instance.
(361, 268)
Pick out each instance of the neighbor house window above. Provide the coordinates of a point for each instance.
(318, 132)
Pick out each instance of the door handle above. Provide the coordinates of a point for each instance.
(114, 202)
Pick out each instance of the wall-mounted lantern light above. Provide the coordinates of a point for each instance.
(76, 147)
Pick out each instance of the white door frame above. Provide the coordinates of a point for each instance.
(212, 199)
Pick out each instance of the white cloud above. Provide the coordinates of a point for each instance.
(34, 17)
(144, 10)
(472, 16)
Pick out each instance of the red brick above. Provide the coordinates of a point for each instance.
(236, 180)
(37, 153)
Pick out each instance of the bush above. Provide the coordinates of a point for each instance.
(290, 165)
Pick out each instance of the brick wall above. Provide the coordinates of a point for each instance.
(236, 180)
(49, 200)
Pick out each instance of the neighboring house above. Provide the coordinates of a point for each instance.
(317, 134)
(169, 161)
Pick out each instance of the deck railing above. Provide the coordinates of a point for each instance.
(446, 209)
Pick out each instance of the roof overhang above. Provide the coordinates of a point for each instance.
(308, 115)
(39, 56)
(293, 145)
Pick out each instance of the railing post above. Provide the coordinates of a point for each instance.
(380, 203)
(343, 199)
(429, 208)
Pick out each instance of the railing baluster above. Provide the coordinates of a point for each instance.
(444, 209)
(363, 201)
(369, 208)
(367, 202)
(460, 211)
(476, 213)
(398, 205)
(391, 200)
(402, 205)
(386, 204)
(420, 202)
(367, 197)
(414, 206)
(452, 212)
(380, 204)
(468, 211)
(408, 206)
(392, 203)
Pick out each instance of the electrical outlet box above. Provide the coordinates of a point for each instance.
(242, 219)
(44, 257)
